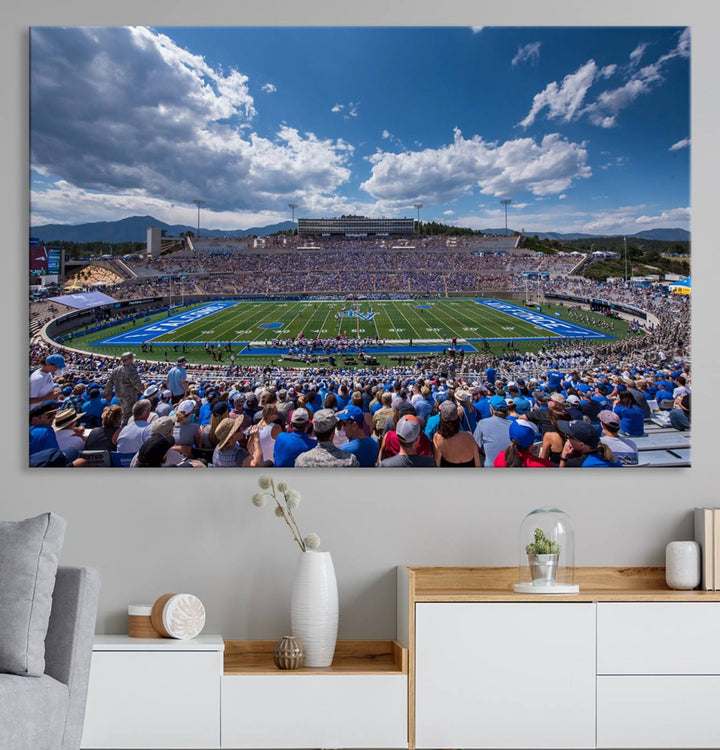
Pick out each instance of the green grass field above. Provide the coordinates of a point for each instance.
(430, 324)
(390, 320)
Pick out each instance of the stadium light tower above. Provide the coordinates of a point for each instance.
(292, 207)
(199, 203)
(418, 206)
(625, 243)
(506, 202)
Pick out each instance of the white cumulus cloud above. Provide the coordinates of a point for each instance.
(679, 215)
(564, 100)
(125, 111)
(637, 53)
(269, 88)
(529, 52)
(684, 143)
(442, 174)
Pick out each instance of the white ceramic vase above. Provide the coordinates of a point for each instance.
(314, 607)
(682, 565)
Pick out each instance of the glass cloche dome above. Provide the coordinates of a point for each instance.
(546, 553)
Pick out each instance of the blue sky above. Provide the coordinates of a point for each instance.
(584, 129)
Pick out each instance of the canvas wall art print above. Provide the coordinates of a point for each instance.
(371, 247)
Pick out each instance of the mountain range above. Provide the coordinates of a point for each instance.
(134, 229)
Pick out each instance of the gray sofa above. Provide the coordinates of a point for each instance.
(46, 712)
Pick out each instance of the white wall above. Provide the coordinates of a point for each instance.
(197, 531)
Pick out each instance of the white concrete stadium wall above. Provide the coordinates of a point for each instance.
(197, 532)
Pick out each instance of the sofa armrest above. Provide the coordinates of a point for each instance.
(69, 641)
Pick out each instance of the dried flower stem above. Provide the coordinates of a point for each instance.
(287, 516)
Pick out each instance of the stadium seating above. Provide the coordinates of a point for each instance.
(121, 460)
(96, 458)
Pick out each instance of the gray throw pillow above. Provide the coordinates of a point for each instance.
(29, 553)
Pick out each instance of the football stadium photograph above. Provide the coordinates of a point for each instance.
(453, 247)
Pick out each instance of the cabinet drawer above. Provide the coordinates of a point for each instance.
(153, 700)
(502, 675)
(308, 711)
(658, 638)
(658, 711)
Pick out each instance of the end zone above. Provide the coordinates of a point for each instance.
(555, 325)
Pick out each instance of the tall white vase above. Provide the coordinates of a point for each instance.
(314, 607)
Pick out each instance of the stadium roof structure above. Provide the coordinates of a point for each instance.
(358, 226)
(86, 299)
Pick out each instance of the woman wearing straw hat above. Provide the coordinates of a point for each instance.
(69, 434)
(228, 453)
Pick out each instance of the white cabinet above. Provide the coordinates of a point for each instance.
(658, 675)
(359, 702)
(505, 675)
(314, 710)
(658, 711)
(154, 693)
(658, 638)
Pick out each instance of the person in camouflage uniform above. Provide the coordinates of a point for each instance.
(127, 384)
(325, 453)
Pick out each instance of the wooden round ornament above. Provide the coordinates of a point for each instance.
(140, 621)
(179, 616)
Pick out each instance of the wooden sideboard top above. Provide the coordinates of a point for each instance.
(630, 584)
(351, 657)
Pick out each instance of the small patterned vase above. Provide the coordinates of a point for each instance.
(288, 653)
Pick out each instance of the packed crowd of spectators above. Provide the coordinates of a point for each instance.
(336, 272)
(576, 410)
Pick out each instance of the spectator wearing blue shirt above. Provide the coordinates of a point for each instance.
(42, 434)
(177, 380)
(365, 449)
(480, 402)
(289, 445)
(583, 447)
(205, 411)
(601, 398)
(93, 409)
(468, 415)
(632, 417)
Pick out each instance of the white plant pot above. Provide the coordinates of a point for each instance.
(314, 607)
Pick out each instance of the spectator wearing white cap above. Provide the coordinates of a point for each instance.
(164, 407)
(625, 450)
(408, 431)
(42, 385)
(187, 432)
(289, 445)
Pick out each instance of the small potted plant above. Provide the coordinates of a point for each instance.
(543, 555)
